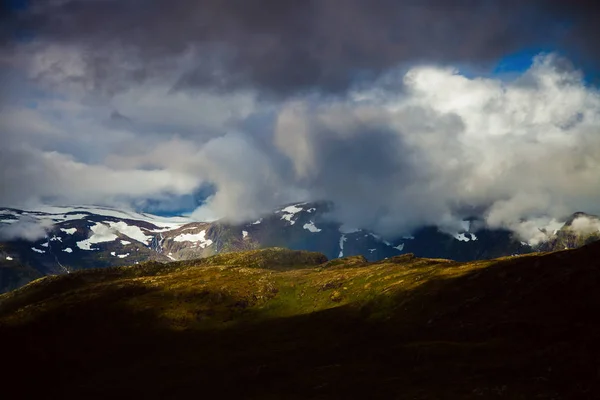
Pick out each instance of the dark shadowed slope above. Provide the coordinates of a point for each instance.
(276, 324)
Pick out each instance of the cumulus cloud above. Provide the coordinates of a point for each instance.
(449, 147)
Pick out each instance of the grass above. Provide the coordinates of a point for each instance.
(277, 323)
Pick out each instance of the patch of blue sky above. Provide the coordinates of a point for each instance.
(18, 33)
(17, 5)
(519, 62)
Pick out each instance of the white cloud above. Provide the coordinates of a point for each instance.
(203, 113)
(586, 225)
(450, 145)
(33, 175)
(26, 228)
(248, 180)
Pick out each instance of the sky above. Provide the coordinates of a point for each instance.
(402, 113)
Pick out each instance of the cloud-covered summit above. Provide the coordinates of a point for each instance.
(449, 147)
(390, 109)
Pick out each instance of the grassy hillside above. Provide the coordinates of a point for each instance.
(275, 323)
(14, 274)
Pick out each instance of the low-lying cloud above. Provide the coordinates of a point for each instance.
(586, 225)
(25, 229)
(449, 147)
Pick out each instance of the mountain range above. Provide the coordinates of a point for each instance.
(58, 240)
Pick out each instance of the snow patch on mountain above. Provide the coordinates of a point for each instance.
(9, 258)
(85, 245)
(38, 250)
(462, 237)
(161, 230)
(198, 238)
(68, 250)
(131, 231)
(257, 222)
(64, 218)
(69, 231)
(311, 227)
(465, 237)
(377, 237)
(48, 217)
(400, 247)
(125, 242)
(289, 212)
(58, 214)
(100, 233)
(244, 234)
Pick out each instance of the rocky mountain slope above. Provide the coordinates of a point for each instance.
(58, 240)
(275, 323)
(580, 229)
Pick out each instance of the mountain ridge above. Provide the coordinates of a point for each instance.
(90, 237)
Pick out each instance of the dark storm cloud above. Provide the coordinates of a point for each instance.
(285, 46)
(582, 28)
